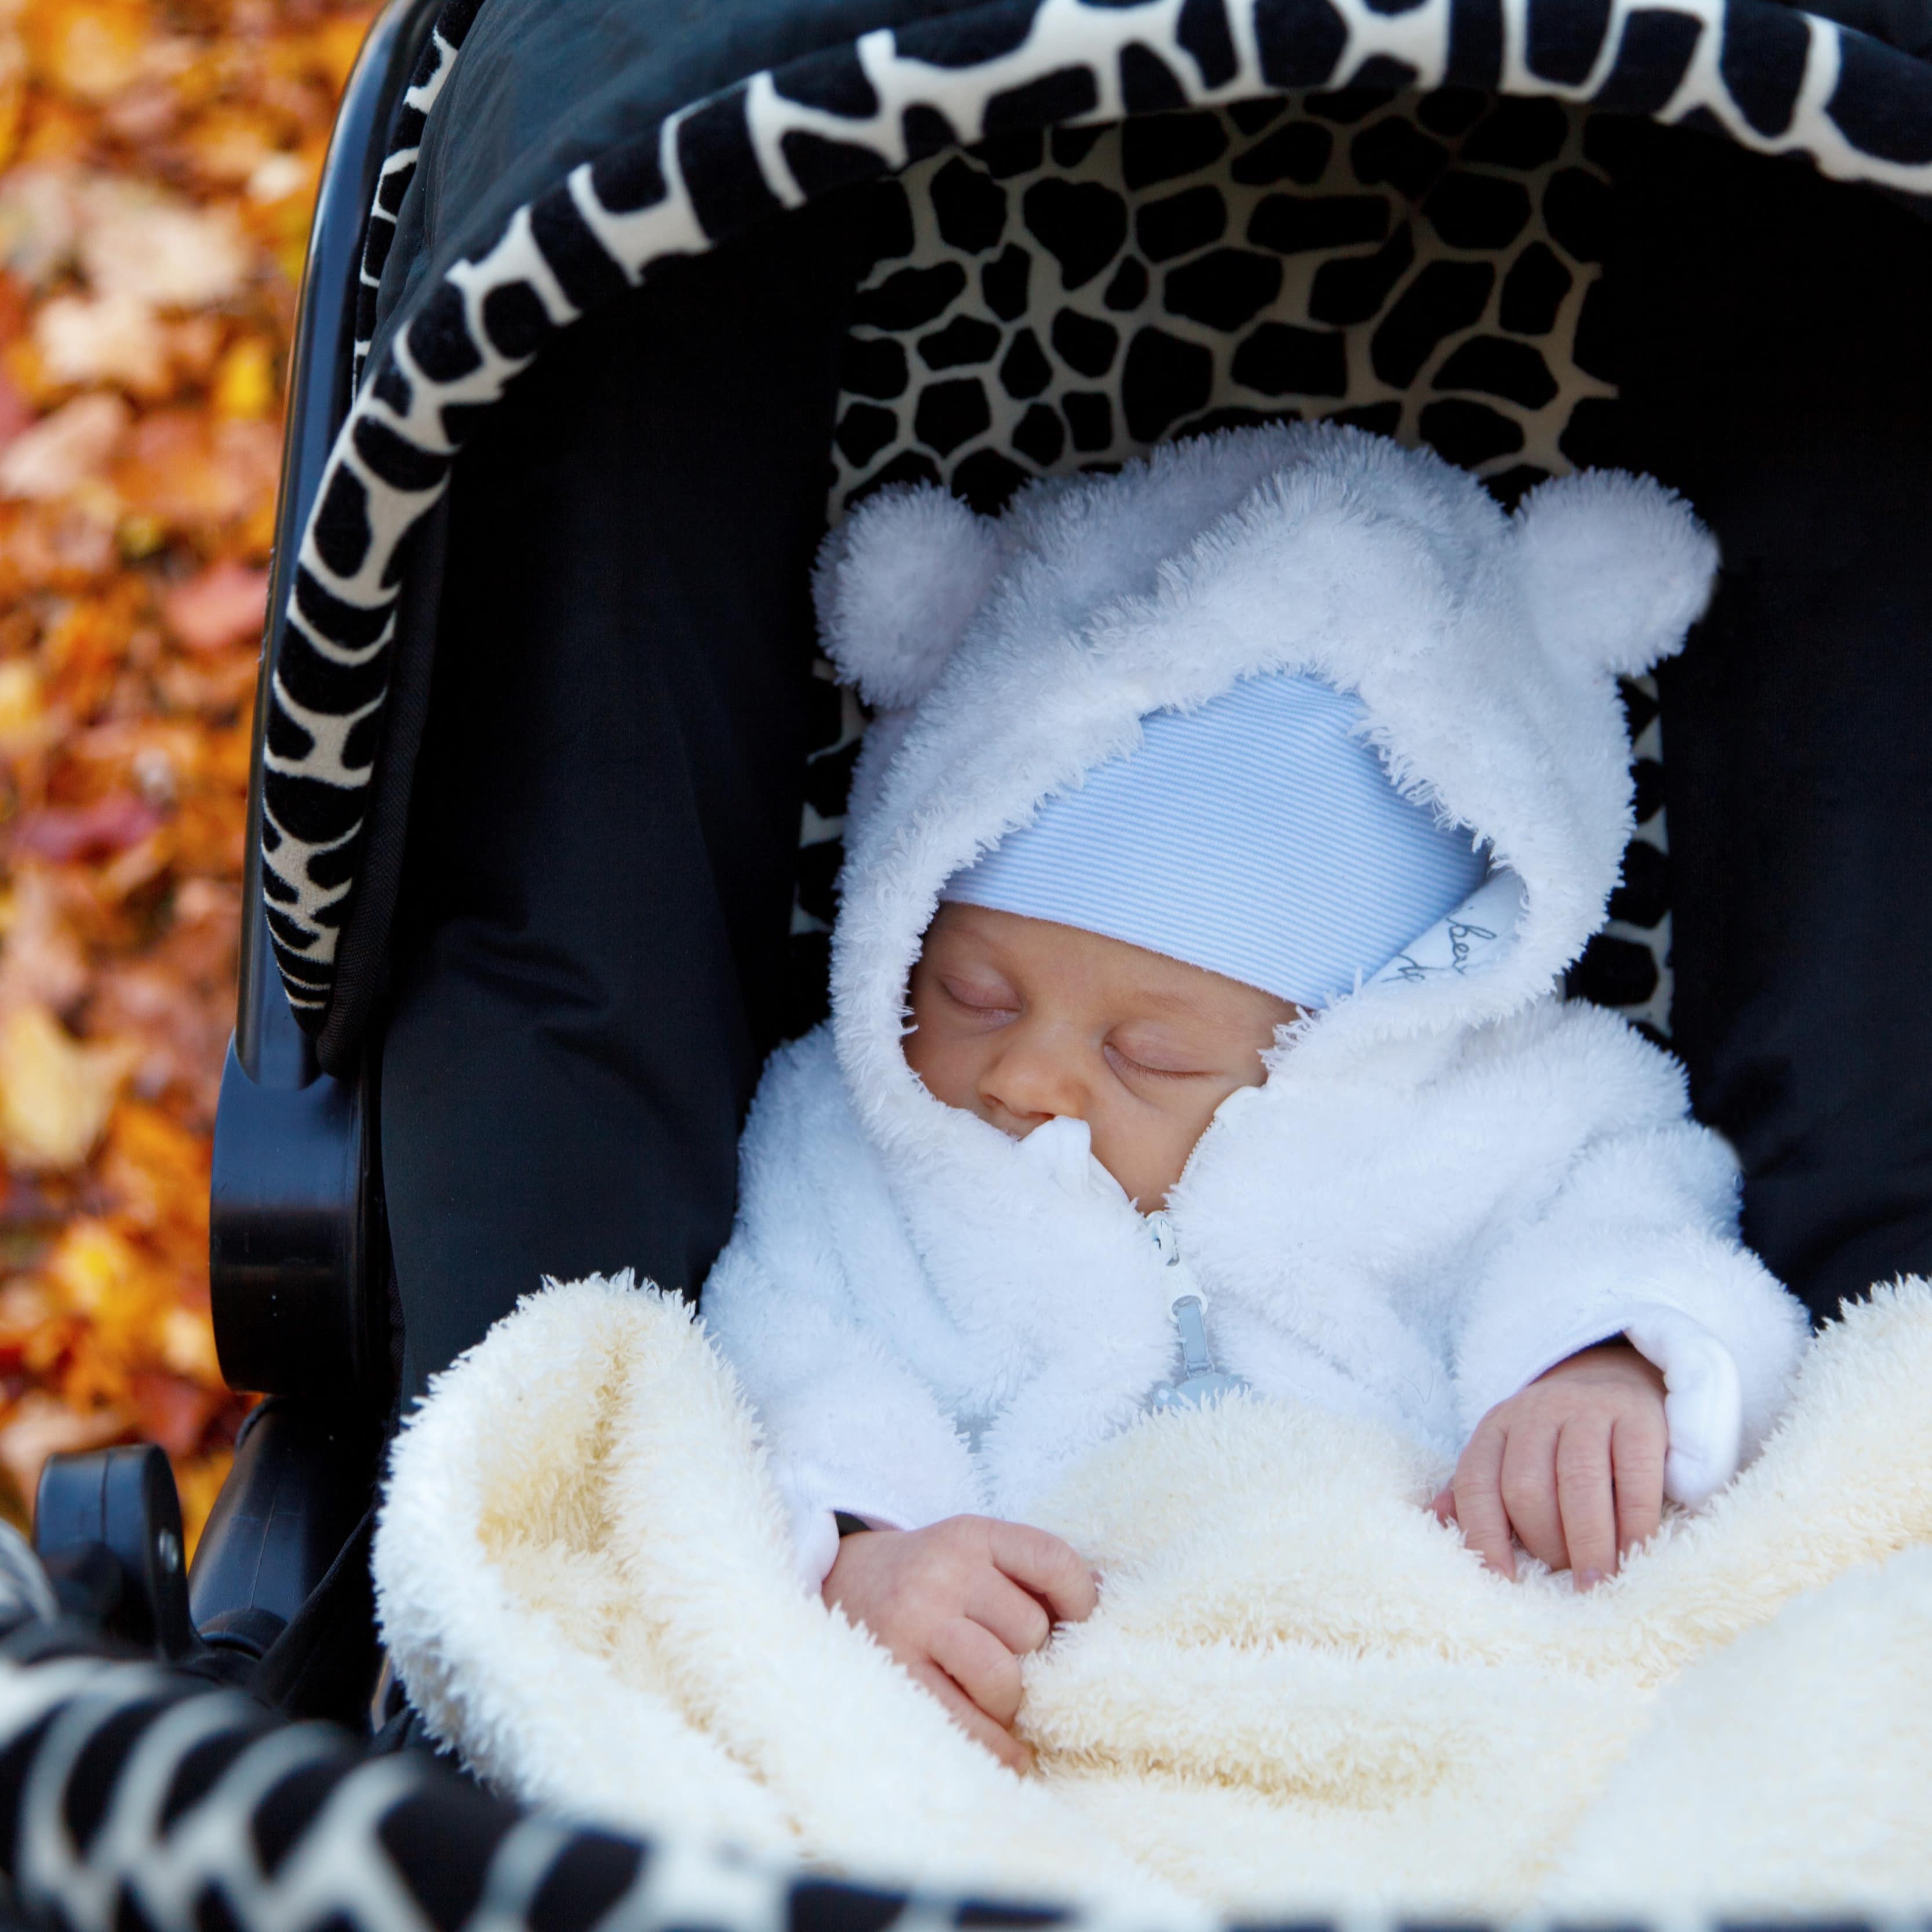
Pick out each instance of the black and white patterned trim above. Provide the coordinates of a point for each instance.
(1773, 80)
(135, 1799)
(399, 161)
(132, 1795)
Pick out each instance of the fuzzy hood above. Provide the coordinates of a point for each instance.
(1008, 657)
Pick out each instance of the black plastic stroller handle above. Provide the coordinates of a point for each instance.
(293, 1227)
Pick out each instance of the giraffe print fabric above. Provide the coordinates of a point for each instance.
(1429, 269)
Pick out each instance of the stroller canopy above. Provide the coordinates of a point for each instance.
(551, 156)
(552, 797)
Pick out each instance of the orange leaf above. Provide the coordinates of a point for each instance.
(194, 474)
(158, 160)
(88, 48)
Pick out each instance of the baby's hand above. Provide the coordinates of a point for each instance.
(959, 1604)
(1574, 1465)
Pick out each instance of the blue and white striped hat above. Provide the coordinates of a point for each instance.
(1258, 836)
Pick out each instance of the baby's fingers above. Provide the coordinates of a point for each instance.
(1015, 1616)
(1039, 1562)
(1588, 1502)
(981, 1665)
(1479, 1499)
(1530, 1492)
(973, 1721)
(1638, 1446)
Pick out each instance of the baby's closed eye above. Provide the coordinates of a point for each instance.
(989, 998)
(1157, 1060)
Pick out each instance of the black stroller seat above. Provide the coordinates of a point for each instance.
(549, 781)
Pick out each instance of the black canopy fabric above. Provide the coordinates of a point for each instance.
(571, 152)
(590, 959)
(1779, 379)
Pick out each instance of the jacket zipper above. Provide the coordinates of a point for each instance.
(1199, 1381)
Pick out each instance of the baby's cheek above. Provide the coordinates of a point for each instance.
(1192, 1118)
(948, 1073)
(1145, 1151)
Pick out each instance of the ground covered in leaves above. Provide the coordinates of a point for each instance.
(158, 160)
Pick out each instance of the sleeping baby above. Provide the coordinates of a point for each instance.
(1225, 829)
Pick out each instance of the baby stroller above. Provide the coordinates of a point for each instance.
(610, 310)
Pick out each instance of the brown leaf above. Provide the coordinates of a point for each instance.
(41, 1426)
(62, 834)
(52, 546)
(180, 1028)
(224, 605)
(13, 92)
(17, 413)
(13, 313)
(172, 1412)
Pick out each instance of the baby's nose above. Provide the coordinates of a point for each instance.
(1033, 1085)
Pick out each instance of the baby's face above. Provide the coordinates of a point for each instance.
(1017, 1020)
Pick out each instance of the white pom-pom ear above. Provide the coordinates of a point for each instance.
(1615, 568)
(896, 583)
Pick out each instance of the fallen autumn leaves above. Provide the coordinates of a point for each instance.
(158, 166)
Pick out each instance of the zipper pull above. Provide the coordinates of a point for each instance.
(1199, 1381)
(1196, 1358)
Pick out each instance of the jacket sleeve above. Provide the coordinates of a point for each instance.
(1639, 1237)
(848, 1427)
(848, 1422)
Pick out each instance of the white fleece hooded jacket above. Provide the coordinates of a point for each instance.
(1449, 1181)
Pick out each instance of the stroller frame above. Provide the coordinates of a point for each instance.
(296, 1263)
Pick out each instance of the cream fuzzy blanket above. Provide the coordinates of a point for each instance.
(1299, 1693)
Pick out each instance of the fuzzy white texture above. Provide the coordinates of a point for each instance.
(1300, 1694)
(583, 1571)
(896, 586)
(1411, 1235)
(1451, 1181)
(1576, 539)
